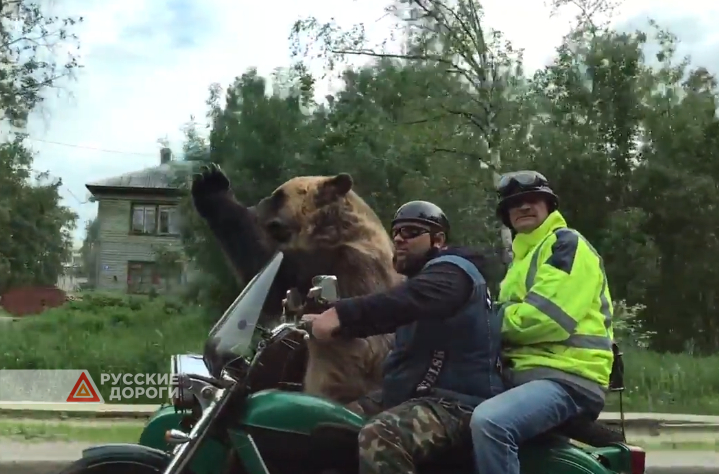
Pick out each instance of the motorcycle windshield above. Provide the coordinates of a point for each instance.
(231, 337)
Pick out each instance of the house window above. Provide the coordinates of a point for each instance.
(154, 219)
(167, 222)
(141, 276)
(144, 219)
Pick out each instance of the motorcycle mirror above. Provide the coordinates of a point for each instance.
(293, 301)
(324, 288)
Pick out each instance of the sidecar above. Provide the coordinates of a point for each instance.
(274, 412)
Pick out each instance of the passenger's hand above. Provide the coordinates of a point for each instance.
(210, 180)
(323, 325)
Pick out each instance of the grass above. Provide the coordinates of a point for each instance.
(669, 383)
(123, 431)
(107, 333)
(29, 430)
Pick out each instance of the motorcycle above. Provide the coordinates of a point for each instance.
(270, 431)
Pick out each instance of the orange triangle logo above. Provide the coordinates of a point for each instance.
(83, 391)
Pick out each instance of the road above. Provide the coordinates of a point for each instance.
(683, 462)
(50, 458)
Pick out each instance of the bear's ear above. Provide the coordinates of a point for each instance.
(339, 185)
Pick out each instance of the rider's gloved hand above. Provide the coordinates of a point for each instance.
(206, 185)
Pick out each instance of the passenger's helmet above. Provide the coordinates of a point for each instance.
(425, 213)
(513, 187)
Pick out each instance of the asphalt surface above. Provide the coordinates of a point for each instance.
(683, 462)
(51, 458)
(37, 458)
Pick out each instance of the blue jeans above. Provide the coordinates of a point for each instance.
(499, 425)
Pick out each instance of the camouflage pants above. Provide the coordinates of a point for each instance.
(396, 440)
(368, 406)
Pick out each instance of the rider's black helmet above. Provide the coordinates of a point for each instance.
(423, 212)
(512, 187)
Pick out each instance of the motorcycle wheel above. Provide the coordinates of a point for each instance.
(110, 465)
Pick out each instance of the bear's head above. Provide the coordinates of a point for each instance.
(309, 212)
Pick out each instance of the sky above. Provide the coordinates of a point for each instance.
(148, 65)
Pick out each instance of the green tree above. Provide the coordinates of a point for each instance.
(36, 238)
(31, 43)
(256, 138)
(628, 142)
(89, 251)
(451, 37)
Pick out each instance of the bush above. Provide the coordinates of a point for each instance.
(105, 333)
(661, 383)
(669, 383)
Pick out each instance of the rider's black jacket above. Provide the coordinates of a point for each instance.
(438, 291)
(446, 332)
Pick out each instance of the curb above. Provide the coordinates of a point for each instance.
(62, 414)
(70, 410)
(32, 467)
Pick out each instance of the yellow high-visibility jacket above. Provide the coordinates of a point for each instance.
(556, 306)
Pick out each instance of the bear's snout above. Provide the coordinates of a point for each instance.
(279, 230)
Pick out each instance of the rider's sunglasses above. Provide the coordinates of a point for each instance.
(408, 232)
(521, 179)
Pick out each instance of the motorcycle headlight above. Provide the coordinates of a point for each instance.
(180, 398)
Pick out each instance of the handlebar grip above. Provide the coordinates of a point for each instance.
(305, 326)
(313, 307)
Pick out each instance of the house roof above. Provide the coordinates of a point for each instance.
(161, 177)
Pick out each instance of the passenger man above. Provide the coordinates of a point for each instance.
(446, 349)
(557, 327)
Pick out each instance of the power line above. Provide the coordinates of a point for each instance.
(91, 148)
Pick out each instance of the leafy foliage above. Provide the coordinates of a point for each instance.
(36, 230)
(30, 43)
(105, 333)
(35, 239)
(629, 142)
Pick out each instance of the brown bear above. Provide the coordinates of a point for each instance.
(323, 227)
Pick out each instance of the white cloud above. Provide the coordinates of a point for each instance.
(148, 65)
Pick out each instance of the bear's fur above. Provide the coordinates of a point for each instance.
(323, 227)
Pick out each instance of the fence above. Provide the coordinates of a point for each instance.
(31, 300)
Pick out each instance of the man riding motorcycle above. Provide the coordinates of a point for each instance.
(557, 327)
(446, 354)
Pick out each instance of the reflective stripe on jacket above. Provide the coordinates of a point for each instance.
(556, 305)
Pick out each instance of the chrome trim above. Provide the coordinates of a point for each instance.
(183, 366)
(203, 392)
(257, 452)
(182, 453)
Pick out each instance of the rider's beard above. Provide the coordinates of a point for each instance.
(413, 264)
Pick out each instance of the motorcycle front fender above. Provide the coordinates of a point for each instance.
(164, 419)
(122, 451)
(211, 455)
(210, 458)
